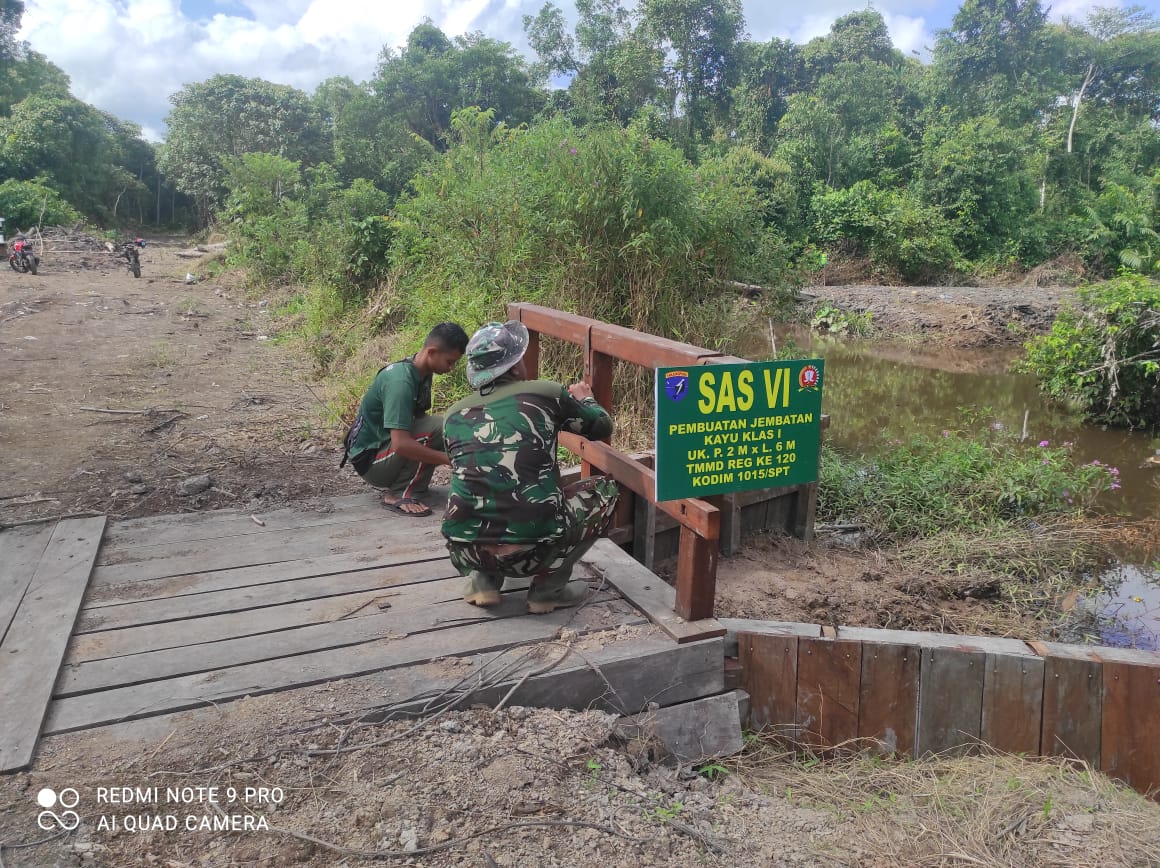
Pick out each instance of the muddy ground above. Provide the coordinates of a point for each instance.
(950, 316)
(120, 396)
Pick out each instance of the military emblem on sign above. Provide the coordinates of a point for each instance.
(808, 378)
(677, 385)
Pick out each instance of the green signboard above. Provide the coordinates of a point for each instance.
(723, 428)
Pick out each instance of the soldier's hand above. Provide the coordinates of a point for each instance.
(580, 390)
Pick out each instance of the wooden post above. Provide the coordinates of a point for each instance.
(730, 507)
(644, 522)
(806, 500)
(696, 576)
(601, 369)
(598, 374)
(532, 355)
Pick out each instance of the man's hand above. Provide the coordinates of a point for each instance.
(580, 390)
(406, 445)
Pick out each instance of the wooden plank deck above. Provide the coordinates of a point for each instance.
(44, 609)
(185, 611)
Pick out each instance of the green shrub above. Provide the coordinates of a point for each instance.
(1105, 355)
(24, 204)
(293, 226)
(836, 321)
(958, 482)
(896, 230)
(1120, 230)
(599, 221)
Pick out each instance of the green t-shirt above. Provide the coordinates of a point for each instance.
(396, 397)
(505, 483)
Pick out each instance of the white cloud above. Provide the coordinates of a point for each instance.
(1077, 10)
(128, 56)
(910, 35)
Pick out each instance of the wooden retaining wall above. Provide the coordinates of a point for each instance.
(925, 693)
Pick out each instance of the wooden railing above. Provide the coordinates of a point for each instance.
(602, 344)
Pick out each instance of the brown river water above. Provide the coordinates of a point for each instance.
(875, 393)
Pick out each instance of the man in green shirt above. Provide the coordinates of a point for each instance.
(507, 514)
(393, 443)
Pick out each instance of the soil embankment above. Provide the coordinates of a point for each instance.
(954, 316)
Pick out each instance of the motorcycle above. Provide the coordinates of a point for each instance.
(131, 250)
(22, 259)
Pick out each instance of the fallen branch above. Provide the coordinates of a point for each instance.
(148, 411)
(4, 845)
(7, 524)
(377, 599)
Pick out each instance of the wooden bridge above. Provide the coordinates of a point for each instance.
(107, 622)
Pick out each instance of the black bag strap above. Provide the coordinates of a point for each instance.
(352, 432)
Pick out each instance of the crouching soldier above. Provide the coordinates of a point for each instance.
(507, 514)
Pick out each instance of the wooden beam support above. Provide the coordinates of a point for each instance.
(648, 351)
(702, 517)
(649, 593)
(532, 355)
(554, 323)
(696, 575)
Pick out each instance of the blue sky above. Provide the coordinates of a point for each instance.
(128, 56)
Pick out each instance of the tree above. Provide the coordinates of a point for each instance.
(1115, 60)
(224, 117)
(550, 40)
(61, 139)
(997, 58)
(369, 142)
(433, 76)
(11, 11)
(615, 70)
(853, 38)
(977, 173)
(768, 74)
(703, 35)
(31, 73)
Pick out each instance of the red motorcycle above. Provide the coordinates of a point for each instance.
(22, 259)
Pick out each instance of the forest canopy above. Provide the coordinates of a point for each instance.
(1022, 141)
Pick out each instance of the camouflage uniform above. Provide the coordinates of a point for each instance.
(507, 514)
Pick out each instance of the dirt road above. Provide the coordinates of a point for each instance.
(116, 391)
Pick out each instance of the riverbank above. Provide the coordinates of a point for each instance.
(933, 359)
(953, 316)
